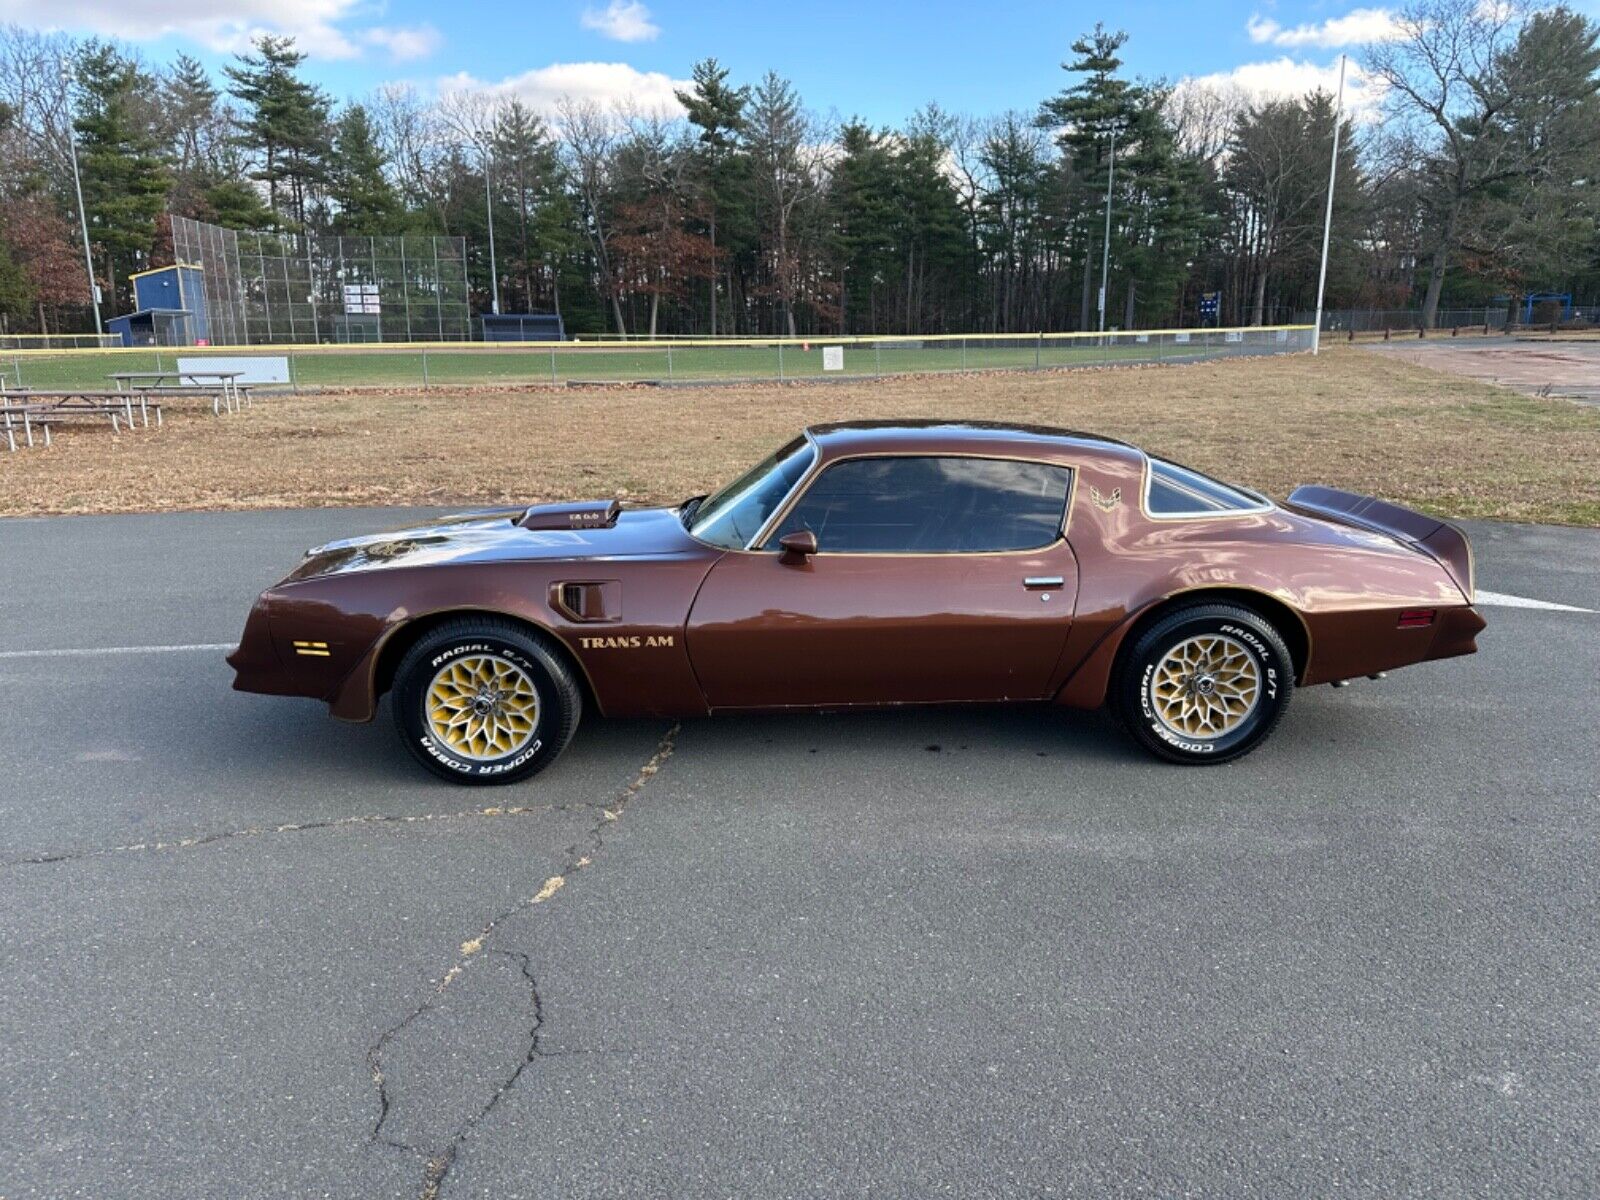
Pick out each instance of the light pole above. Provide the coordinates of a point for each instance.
(1327, 220)
(1105, 248)
(83, 220)
(488, 203)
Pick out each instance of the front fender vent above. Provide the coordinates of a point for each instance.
(588, 601)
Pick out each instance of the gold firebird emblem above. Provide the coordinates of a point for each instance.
(1105, 502)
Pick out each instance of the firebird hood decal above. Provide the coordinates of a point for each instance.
(501, 535)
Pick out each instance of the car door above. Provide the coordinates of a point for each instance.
(936, 578)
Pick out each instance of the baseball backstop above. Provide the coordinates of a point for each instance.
(264, 287)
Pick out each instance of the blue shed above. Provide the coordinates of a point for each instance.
(153, 327)
(169, 308)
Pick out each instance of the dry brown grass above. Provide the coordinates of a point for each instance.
(1350, 419)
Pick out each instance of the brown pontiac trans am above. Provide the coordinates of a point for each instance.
(870, 563)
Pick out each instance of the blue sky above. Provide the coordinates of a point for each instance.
(876, 60)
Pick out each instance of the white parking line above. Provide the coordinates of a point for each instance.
(94, 651)
(1504, 601)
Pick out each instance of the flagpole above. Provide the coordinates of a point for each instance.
(1105, 249)
(1327, 220)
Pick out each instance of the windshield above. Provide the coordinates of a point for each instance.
(736, 514)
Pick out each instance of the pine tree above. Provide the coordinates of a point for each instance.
(717, 111)
(862, 205)
(1538, 234)
(527, 178)
(190, 103)
(1013, 225)
(361, 194)
(16, 289)
(286, 124)
(235, 204)
(1156, 220)
(1087, 117)
(125, 179)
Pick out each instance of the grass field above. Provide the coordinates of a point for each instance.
(403, 367)
(1350, 418)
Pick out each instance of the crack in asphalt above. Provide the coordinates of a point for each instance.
(208, 839)
(578, 857)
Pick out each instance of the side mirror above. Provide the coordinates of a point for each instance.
(797, 547)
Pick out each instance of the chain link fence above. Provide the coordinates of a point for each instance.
(58, 341)
(1376, 320)
(265, 288)
(679, 362)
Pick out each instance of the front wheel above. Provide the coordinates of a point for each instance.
(1204, 684)
(481, 701)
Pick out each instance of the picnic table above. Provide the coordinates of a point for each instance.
(70, 402)
(22, 416)
(224, 388)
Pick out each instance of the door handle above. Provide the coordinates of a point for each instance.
(1043, 581)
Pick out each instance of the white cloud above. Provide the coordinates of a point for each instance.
(404, 43)
(1359, 27)
(1285, 77)
(322, 28)
(606, 84)
(622, 21)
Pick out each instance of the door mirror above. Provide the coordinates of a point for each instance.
(797, 547)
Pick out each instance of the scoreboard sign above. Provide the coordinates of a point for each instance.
(361, 299)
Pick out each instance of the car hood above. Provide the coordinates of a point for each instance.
(503, 535)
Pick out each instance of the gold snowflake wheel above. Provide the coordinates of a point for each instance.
(482, 707)
(1205, 687)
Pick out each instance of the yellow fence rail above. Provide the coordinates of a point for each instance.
(612, 342)
(427, 365)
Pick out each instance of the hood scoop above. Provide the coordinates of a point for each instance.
(586, 514)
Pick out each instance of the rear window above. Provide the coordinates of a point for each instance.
(1177, 492)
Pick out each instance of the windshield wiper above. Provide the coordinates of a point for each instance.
(689, 508)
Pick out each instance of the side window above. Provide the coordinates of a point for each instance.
(1177, 491)
(931, 505)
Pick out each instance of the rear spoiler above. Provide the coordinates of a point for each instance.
(1438, 539)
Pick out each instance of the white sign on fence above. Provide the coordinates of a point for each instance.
(833, 358)
(1182, 339)
(1234, 335)
(361, 299)
(252, 368)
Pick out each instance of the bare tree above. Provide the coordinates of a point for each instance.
(588, 145)
(33, 88)
(1443, 80)
(412, 139)
(1203, 115)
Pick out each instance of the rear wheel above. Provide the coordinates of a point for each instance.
(1205, 684)
(481, 701)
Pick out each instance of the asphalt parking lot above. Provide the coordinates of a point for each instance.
(1535, 367)
(252, 952)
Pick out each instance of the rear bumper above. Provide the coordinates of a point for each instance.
(1456, 633)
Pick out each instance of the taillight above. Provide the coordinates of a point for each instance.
(1417, 618)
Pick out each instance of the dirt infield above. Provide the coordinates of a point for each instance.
(1351, 418)
(1552, 366)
